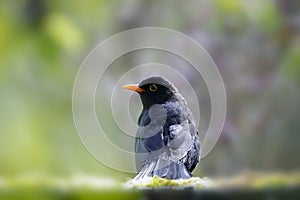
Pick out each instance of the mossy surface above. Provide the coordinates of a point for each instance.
(246, 180)
(157, 182)
(90, 187)
(77, 187)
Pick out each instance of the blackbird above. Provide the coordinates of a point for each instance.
(167, 143)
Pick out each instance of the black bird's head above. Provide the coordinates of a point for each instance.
(154, 90)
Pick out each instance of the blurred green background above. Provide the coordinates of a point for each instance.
(255, 44)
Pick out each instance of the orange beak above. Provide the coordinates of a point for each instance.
(133, 87)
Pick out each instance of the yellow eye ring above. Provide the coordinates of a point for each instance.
(153, 88)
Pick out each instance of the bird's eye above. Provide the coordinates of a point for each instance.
(153, 88)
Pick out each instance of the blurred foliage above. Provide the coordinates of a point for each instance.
(291, 62)
(254, 43)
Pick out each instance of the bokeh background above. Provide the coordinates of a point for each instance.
(255, 44)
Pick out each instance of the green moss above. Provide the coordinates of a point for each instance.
(255, 180)
(92, 187)
(277, 180)
(247, 180)
(157, 182)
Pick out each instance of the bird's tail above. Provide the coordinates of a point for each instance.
(164, 169)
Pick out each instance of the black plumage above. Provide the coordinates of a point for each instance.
(167, 142)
